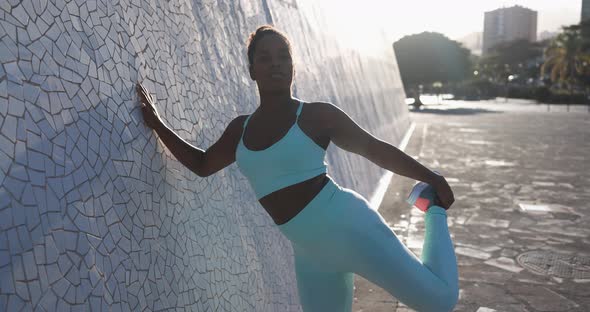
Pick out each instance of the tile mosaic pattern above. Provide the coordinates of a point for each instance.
(94, 211)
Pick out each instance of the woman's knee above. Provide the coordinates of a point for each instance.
(445, 300)
(442, 299)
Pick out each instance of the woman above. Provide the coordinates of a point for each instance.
(280, 148)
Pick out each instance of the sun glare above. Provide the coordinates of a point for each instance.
(353, 23)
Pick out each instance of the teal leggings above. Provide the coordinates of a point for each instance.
(338, 234)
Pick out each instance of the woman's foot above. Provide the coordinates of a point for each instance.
(423, 196)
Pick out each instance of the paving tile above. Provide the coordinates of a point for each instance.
(504, 226)
(471, 252)
(543, 299)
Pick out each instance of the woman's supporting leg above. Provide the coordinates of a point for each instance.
(321, 289)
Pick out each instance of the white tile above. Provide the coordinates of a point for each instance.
(16, 107)
(20, 15)
(39, 6)
(9, 129)
(472, 252)
(33, 31)
(505, 264)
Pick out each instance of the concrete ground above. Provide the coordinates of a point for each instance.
(520, 174)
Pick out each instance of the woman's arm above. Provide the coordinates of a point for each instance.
(348, 135)
(203, 163)
(189, 155)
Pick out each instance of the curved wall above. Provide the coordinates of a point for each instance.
(95, 213)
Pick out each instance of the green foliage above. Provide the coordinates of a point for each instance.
(475, 89)
(518, 58)
(542, 94)
(431, 57)
(567, 58)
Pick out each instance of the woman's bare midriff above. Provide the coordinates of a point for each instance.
(286, 203)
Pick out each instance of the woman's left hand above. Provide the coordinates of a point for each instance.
(443, 192)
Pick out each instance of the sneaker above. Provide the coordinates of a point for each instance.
(422, 196)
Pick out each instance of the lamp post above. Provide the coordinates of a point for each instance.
(508, 80)
(437, 86)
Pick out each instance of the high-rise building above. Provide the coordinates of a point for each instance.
(585, 10)
(508, 24)
(472, 42)
(545, 34)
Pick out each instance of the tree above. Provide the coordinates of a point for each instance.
(567, 58)
(517, 57)
(431, 57)
(584, 31)
(583, 73)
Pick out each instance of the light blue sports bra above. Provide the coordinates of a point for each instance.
(292, 159)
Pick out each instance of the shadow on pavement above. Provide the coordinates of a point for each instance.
(453, 111)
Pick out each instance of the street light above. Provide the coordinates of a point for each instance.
(510, 78)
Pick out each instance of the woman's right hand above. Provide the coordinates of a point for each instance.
(148, 107)
(445, 197)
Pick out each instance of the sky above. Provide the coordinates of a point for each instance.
(350, 21)
(457, 18)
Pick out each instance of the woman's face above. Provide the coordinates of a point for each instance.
(272, 68)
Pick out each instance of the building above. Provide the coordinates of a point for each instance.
(585, 10)
(508, 24)
(472, 42)
(547, 35)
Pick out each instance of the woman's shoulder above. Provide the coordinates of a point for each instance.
(319, 115)
(318, 106)
(321, 109)
(240, 119)
(318, 103)
(235, 125)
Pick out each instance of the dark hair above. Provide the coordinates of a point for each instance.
(260, 32)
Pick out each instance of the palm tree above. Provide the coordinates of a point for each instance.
(566, 58)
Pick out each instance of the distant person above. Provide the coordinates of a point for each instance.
(334, 232)
(415, 94)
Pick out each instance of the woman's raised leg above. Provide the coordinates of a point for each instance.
(340, 233)
(375, 252)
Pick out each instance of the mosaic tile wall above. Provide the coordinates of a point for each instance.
(95, 213)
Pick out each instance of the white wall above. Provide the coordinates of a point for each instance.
(94, 211)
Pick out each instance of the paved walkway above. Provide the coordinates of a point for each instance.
(521, 176)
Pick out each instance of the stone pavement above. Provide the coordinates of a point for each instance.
(521, 176)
